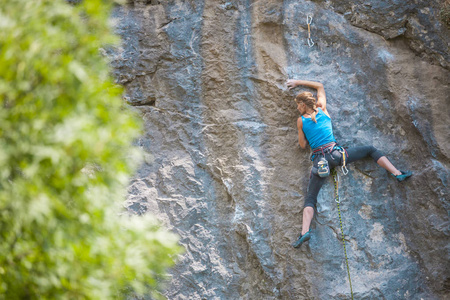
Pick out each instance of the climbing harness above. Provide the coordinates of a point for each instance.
(309, 21)
(324, 149)
(338, 201)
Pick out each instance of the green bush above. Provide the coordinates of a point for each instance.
(65, 159)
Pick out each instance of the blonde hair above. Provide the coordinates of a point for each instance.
(308, 99)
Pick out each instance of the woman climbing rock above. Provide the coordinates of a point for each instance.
(314, 127)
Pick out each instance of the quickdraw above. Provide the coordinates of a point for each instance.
(309, 21)
(344, 162)
(338, 201)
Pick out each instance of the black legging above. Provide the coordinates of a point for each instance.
(335, 159)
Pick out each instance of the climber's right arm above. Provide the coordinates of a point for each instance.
(301, 136)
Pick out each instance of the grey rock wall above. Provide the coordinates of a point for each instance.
(223, 167)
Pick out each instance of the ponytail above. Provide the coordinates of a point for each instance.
(313, 115)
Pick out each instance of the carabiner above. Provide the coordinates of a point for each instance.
(344, 170)
(309, 19)
(310, 42)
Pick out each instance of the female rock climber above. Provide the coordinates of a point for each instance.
(314, 127)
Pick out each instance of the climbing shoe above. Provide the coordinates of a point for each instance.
(302, 239)
(404, 175)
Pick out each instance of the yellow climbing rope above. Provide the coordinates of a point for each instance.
(338, 201)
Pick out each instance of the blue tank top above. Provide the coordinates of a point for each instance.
(319, 133)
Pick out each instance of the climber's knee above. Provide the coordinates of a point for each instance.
(310, 202)
(375, 153)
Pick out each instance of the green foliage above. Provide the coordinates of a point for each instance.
(65, 158)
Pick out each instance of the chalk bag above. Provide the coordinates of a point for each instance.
(323, 167)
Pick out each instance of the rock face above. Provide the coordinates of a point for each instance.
(224, 169)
